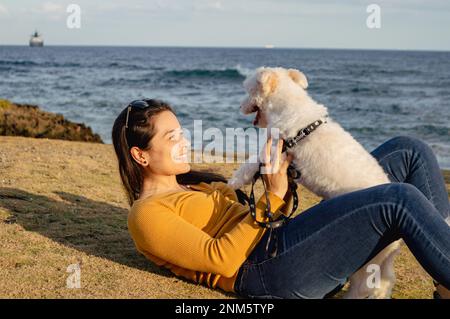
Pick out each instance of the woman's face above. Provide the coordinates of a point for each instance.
(168, 151)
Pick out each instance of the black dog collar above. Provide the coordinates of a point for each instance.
(291, 142)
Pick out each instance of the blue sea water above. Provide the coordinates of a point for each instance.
(375, 95)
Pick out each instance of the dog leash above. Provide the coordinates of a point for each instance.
(272, 224)
(293, 174)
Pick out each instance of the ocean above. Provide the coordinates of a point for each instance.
(375, 95)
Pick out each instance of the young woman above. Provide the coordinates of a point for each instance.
(193, 224)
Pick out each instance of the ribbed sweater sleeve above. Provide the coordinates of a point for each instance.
(166, 235)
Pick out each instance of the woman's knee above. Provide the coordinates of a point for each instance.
(409, 142)
(401, 195)
(406, 190)
(403, 191)
(409, 199)
(394, 190)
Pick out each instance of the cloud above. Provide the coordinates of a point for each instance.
(3, 10)
(162, 6)
(142, 6)
(201, 5)
(329, 7)
(51, 7)
(51, 10)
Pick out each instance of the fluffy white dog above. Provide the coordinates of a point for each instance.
(330, 160)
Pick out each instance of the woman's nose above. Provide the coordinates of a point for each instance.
(186, 142)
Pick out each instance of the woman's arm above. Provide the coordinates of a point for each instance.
(164, 234)
(225, 189)
(229, 192)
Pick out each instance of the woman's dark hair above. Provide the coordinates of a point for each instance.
(139, 133)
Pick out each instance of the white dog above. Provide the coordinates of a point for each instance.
(330, 160)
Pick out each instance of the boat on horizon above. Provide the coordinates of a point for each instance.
(36, 40)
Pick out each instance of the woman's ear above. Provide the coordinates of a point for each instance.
(138, 156)
(298, 77)
(267, 81)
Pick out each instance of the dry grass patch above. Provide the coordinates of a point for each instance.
(61, 203)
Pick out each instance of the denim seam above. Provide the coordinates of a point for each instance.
(268, 296)
(241, 282)
(420, 229)
(389, 154)
(422, 165)
(428, 179)
(241, 279)
(262, 278)
(386, 156)
(324, 228)
(396, 205)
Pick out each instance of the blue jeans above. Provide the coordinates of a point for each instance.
(319, 249)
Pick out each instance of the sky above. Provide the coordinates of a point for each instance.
(405, 24)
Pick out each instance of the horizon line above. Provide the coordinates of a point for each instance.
(230, 47)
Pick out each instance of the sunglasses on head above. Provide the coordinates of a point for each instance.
(141, 104)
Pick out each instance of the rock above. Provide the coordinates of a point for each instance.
(30, 121)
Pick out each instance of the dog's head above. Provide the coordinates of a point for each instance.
(270, 90)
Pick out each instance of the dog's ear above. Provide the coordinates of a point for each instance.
(298, 77)
(267, 81)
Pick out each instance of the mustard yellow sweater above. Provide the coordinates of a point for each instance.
(203, 235)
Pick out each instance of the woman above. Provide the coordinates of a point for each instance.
(193, 224)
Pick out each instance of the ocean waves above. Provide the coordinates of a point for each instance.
(375, 95)
(169, 77)
(232, 74)
(46, 64)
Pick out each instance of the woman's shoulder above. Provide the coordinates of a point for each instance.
(147, 205)
(225, 189)
(203, 186)
(163, 201)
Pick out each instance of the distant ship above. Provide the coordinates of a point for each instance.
(36, 40)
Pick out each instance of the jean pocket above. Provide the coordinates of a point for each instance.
(242, 273)
(251, 283)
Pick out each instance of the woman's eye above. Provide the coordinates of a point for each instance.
(176, 136)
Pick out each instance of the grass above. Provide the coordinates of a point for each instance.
(62, 202)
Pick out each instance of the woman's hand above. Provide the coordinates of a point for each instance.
(274, 170)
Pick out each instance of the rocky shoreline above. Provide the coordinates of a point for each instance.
(30, 121)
